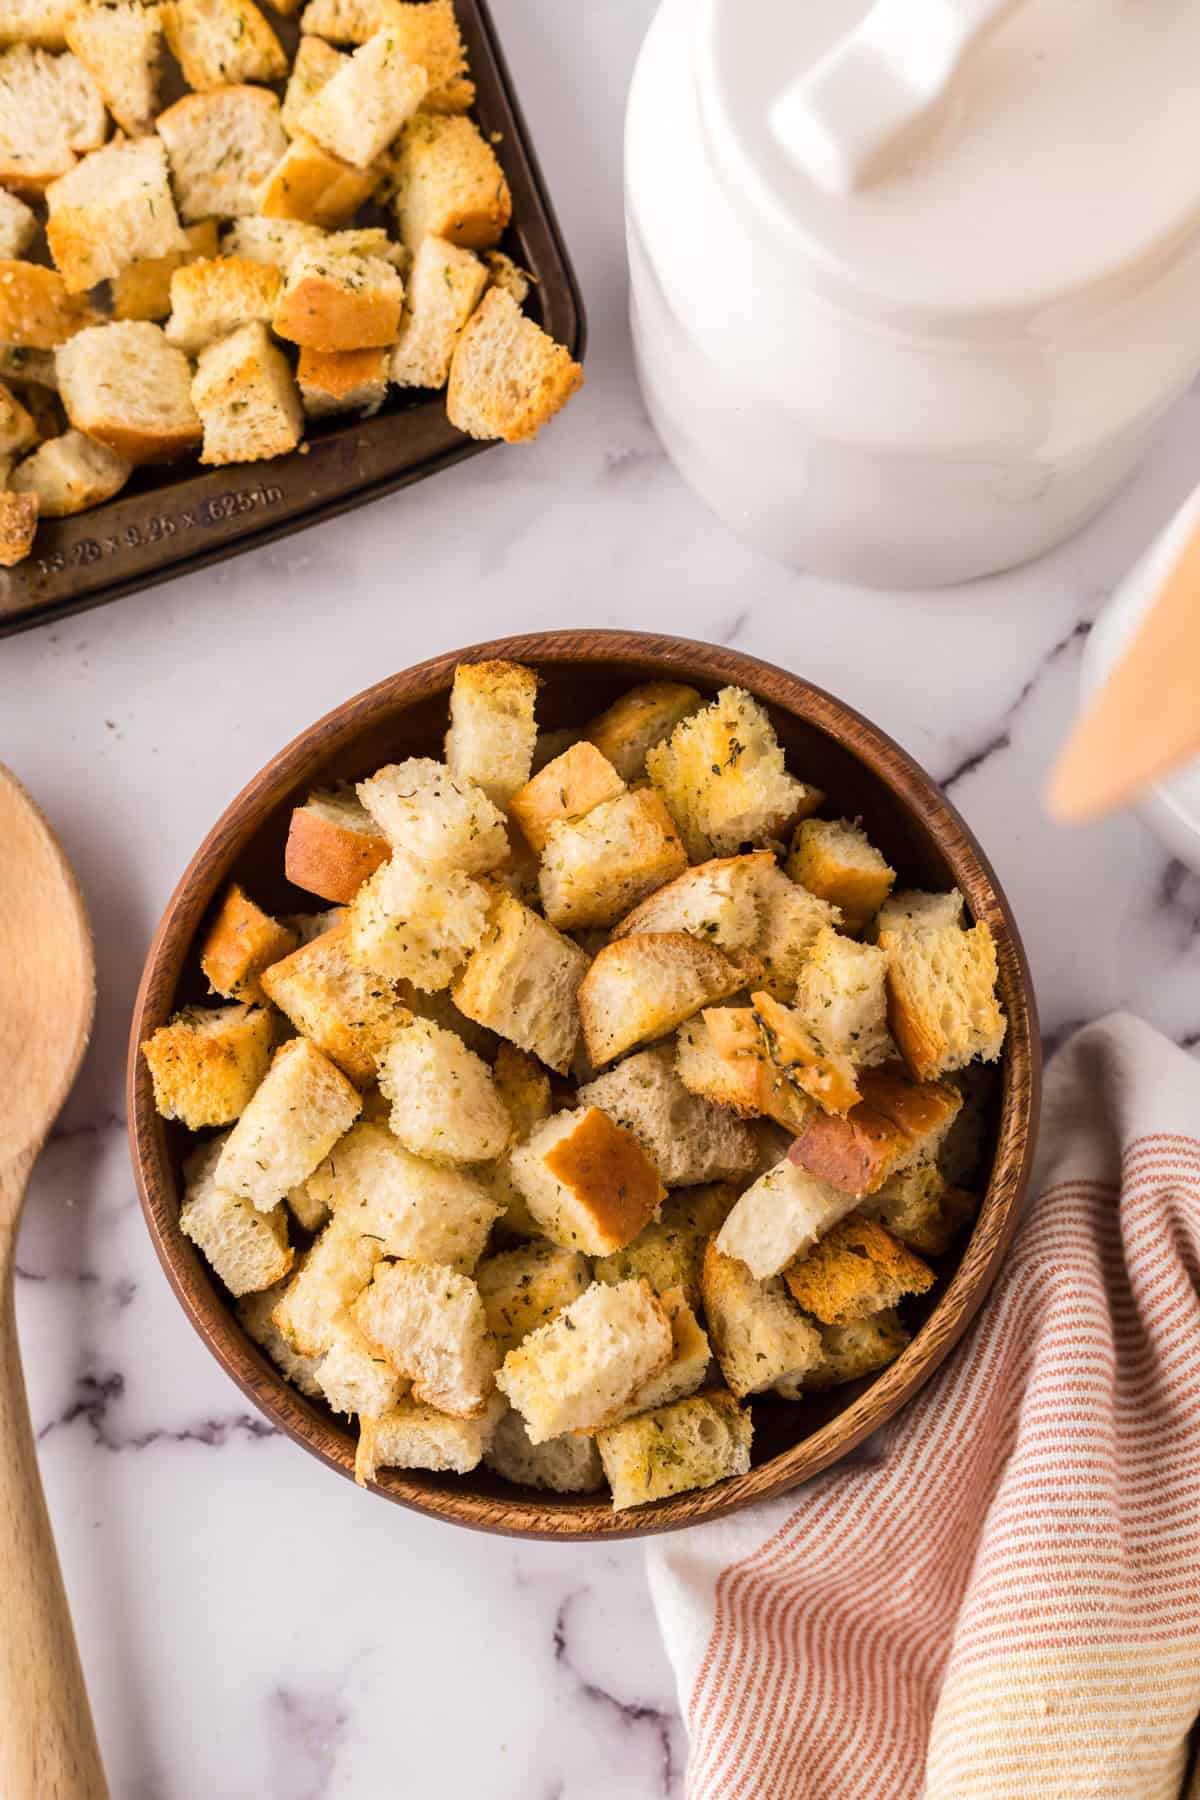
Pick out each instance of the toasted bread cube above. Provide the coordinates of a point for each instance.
(413, 1209)
(848, 1352)
(503, 272)
(50, 109)
(218, 43)
(17, 428)
(721, 773)
(596, 868)
(805, 1056)
(207, 1063)
(693, 1444)
(427, 33)
(564, 1465)
(442, 822)
(355, 1379)
(691, 1358)
(431, 1325)
(835, 860)
(522, 982)
(567, 787)
(641, 718)
(732, 1073)
(333, 845)
(223, 146)
(303, 1105)
(524, 1087)
(449, 184)
(348, 21)
(407, 923)
(69, 474)
(316, 62)
(339, 301)
(18, 225)
(444, 1102)
(759, 1335)
(309, 185)
(242, 941)
(350, 1014)
(42, 22)
(18, 527)
(942, 1001)
(120, 45)
(314, 1303)
(142, 290)
(256, 1315)
(790, 921)
(444, 288)
(492, 732)
(922, 1208)
(785, 1212)
(896, 1124)
(363, 105)
(413, 1436)
(842, 994)
(246, 398)
(688, 1140)
(642, 987)
(910, 910)
(581, 1368)
(246, 1248)
(589, 1183)
(669, 1253)
(127, 388)
(717, 901)
(210, 297)
(507, 377)
(856, 1269)
(525, 1288)
(36, 310)
(341, 381)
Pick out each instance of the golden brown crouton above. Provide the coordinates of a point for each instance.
(207, 1063)
(242, 941)
(857, 1269)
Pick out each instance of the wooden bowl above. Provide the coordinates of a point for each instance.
(864, 773)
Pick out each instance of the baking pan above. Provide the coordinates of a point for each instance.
(170, 521)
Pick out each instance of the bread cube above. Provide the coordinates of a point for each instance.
(303, 1105)
(693, 1444)
(669, 1253)
(781, 1216)
(207, 1063)
(18, 225)
(34, 369)
(240, 943)
(36, 310)
(430, 1323)
(444, 1102)
(921, 1208)
(567, 787)
(641, 718)
(806, 1056)
(18, 431)
(410, 923)
(581, 1368)
(596, 868)
(688, 1139)
(18, 527)
(316, 1301)
(503, 272)
(350, 1014)
(443, 822)
(110, 209)
(691, 1357)
(524, 1087)
(722, 775)
(127, 388)
(642, 987)
(790, 921)
(354, 1379)
(246, 398)
(942, 1001)
(758, 1333)
(333, 845)
(449, 184)
(211, 297)
(848, 1352)
(223, 146)
(50, 109)
(246, 1248)
(427, 33)
(507, 377)
(413, 1436)
(69, 474)
(564, 1465)
(444, 288)
(527, 1287)
(339, 301)
(855, 1270)
(362, 106)
(316, 62)
(835, 860)
(733, 1073)
(142, 290)
(716, 900)
(120, 44)
(309, 185)
(896, 1124)
(218, 43)
(256, 1315)
(910, 910)
(842, 995)
(341, 381)
(522, 982)
(492, 732)
(588, 1182)
(41, 22)
(348, 21)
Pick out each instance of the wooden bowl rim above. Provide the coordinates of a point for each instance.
(649, 655)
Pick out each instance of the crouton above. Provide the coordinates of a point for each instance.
(909, 910)
(219, 43)
(341, 381)
(835, 860)
(354, 1379)
(18, 527)
(315, 63)
(207, 1062)
(247, 1249)
(256, 1315)
(690, 1360)
(507, 377)
(842, 995)
(449, 184)
(564, 1465)
(596, 868)
(444, 1102)
(431, 1325)
(69, 474)
(856, 1269)
(688, 1140)
(334, 1273)
(36, 310)
(578, 1370)
(848, 1352)
(638, 720)
(308, 185)
(522, 982)
(17, 429)
(444, 287)
(142, 290)
(524, 1087)
(339, 302)
(223, 146)
(427, 33)
(722, 775)
(361, 108)
(410, 923)
(246, 398)
(210, 297)
(302, 1106)
(350, 1014)
(717, 900)
(50, 111)
(492, 732)
(241, 942)
(348, 21)
(41, 22)
(790, 921)
(127, 388)
(692, 1444)
(782, 1215)
(527, 1287)
(806, 1056)
(333, 845)
(120, 45)
(566, 788)
(895, 1125)
(731, 1073)
(413, 1436)
(758, 1333)
(921, 1208)
(18, 226)
(589, 1183)
(942, 1003)
(642, 987)
(442, 822)
(669, 1253)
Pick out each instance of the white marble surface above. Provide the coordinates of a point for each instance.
(249, 1624)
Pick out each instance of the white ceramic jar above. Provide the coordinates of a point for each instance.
(946, 364)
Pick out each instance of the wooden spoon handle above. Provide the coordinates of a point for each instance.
(48, 1748)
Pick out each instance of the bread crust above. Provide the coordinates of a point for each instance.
(36, 309)
(608, 1171)
(329, 860)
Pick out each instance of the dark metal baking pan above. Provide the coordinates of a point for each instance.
(170, 521)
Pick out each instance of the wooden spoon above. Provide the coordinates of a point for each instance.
(47, 997)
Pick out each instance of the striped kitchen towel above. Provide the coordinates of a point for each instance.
(1001, 1601)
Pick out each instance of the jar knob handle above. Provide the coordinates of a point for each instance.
(859, 110)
